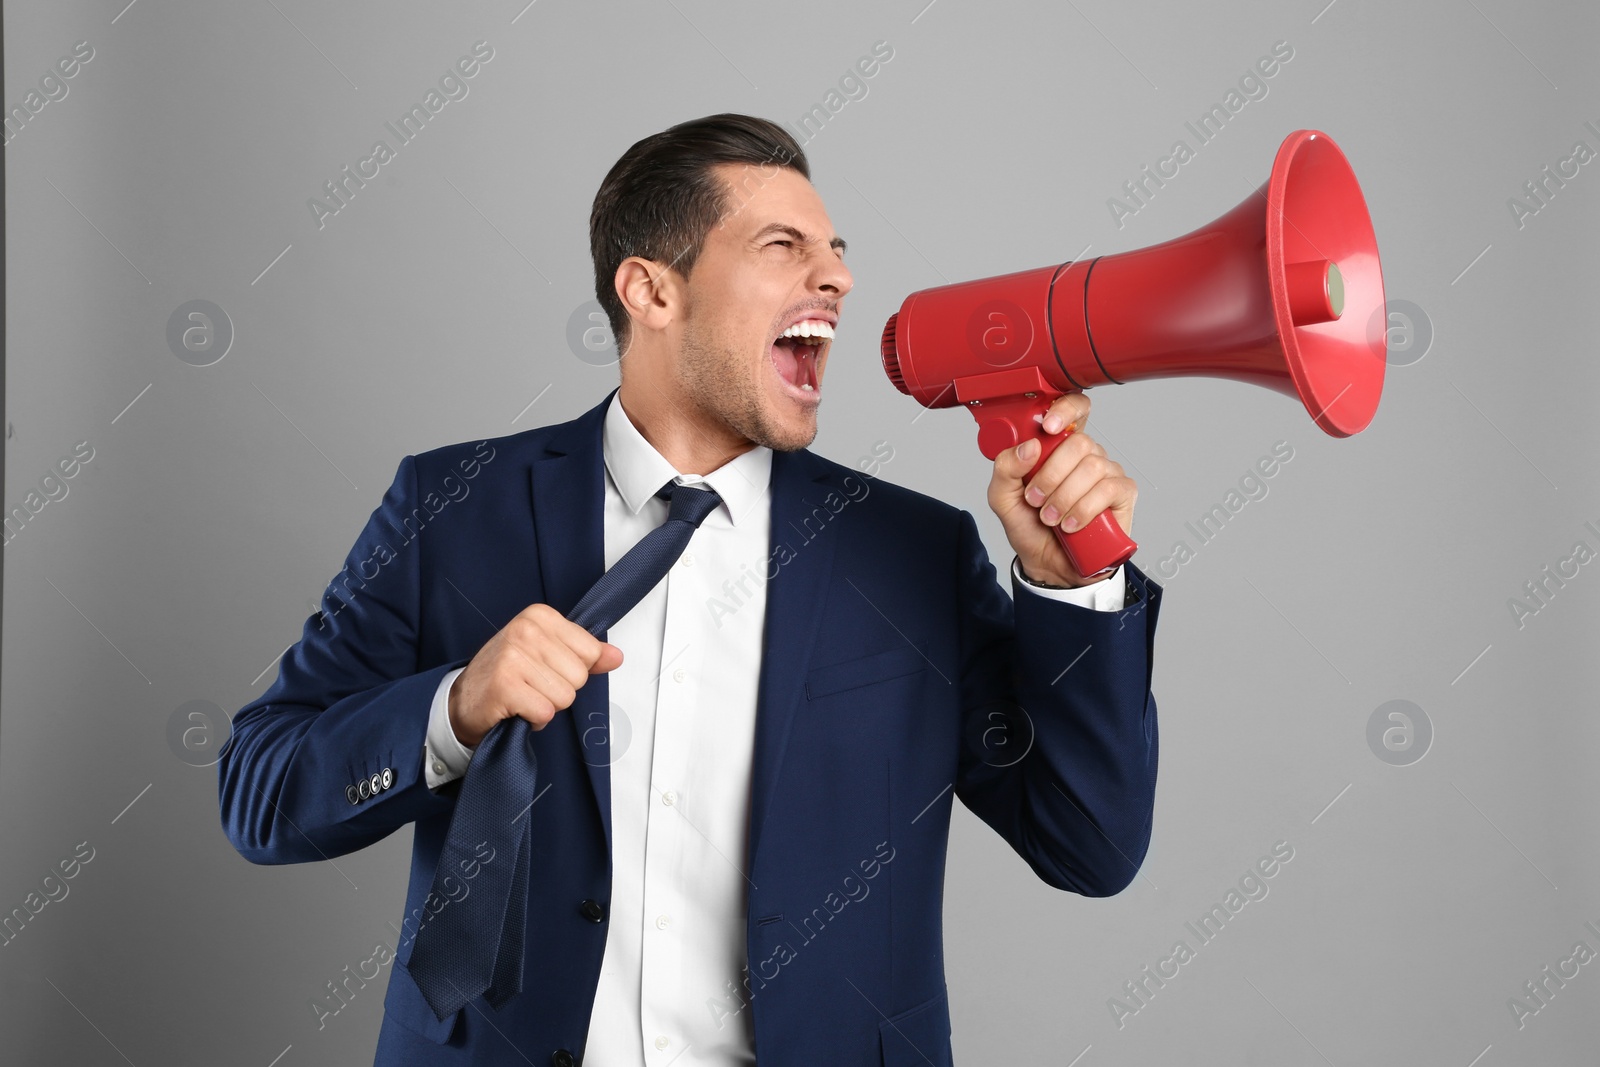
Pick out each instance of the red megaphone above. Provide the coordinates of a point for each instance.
(1278, 292)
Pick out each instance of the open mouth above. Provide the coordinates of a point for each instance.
(796, 353)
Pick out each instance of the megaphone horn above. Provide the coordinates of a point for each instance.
(1278, 292)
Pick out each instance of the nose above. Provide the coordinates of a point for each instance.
(832, 277)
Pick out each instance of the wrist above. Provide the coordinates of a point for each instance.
(456, 729)
(1052, 580)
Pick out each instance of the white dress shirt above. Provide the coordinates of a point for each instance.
(683, 714)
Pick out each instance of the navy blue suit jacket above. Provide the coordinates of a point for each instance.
(897, 675)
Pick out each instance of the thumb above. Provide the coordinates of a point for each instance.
(610, 659)
(1011, 467)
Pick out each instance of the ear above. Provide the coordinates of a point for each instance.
(651, 293)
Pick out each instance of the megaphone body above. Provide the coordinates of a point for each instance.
(1280, 292)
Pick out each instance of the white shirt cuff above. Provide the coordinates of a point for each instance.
(1108, 594)
(444, 757)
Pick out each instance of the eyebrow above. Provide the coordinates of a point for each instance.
(779, 227)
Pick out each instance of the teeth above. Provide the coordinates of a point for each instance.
(813, 331)
(807, 387)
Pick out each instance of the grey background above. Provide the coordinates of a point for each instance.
(434, 308)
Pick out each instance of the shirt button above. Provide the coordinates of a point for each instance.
(669, 798)
(662, 922)
(688, 559)
(438, 767)
(661, 1041)
(679, 674)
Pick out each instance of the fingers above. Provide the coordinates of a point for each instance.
(1065, 411)
(559, 657)
(538, 690)
(1101, 497)
(531, 669)
(596, 656)
(1076, 483)
(1072, 487)
(1013, 464)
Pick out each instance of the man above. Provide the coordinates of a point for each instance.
(744, 791)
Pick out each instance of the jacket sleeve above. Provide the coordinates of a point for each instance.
(1059, 724)
(330, 758)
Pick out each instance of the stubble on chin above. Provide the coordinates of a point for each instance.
(791, 444)
(725, 391)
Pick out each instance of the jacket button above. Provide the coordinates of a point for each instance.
(561, 1058)
(593, 911)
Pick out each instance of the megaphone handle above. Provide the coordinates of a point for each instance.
(1005, 422)
(1100, 545)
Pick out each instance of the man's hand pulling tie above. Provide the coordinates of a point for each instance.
(530, 670)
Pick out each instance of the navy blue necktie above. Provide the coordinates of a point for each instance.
(473, 946)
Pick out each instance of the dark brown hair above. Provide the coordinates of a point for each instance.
(661, 198)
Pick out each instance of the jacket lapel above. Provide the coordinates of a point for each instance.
(569, 528)
(568, 483)
(794, 615)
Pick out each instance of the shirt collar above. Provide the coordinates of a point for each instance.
(639, 471)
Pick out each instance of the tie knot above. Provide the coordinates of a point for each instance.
(689, 503)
